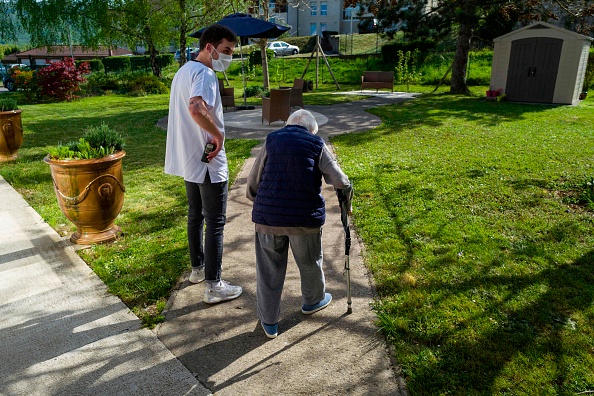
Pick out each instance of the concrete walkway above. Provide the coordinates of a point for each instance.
(328, 353)
(62, 333)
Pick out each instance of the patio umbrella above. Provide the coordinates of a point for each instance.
(245, 25)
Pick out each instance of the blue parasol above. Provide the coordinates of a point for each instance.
(245, 25)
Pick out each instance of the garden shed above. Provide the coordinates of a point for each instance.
(540, 63)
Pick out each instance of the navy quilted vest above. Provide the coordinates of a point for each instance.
(290, 190)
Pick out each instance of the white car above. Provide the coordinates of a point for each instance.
(282, 48)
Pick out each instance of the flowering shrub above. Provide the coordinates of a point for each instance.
(60, 80)
(25, 80)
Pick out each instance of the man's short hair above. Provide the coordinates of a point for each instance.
(215, 33)
(305, 119)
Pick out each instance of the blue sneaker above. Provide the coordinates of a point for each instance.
(309, 309)
(270, 330)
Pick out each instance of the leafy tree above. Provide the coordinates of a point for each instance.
(467, 18)
(197, 14)
(264, 13)
(94, 23)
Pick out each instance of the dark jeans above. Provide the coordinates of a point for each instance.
(207, 203)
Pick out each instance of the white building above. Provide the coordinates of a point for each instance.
(309, 18)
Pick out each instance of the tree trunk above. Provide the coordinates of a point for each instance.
(458, 81)
(265, 76)
(154, 64)
(183, 32)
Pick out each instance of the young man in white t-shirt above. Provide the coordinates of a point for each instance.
(195, 120)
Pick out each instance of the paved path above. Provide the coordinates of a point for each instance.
(328, 353)
(62, 333)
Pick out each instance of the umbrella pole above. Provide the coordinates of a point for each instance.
(245, 106)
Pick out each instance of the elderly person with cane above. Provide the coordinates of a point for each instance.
(285, 185)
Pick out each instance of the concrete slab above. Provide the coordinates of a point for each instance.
(61, 331)
(328, 353)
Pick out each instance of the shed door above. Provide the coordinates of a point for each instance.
(532, 71)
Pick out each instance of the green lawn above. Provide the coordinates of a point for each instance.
(483, 263)
(144, 264)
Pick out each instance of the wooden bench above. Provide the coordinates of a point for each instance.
(377, 80)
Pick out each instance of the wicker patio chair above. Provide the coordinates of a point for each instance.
(227, 94)
(296, 92)
(278, 106)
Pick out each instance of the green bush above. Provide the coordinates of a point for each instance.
(134, 84)
(305, 43)
(8, 104)
(406, 68)
(117, 63)
(254, 91)
(308, 46)
(165, 60)
(143, 62)
(94, 64)
(26, 80)
(97, 142)
(142, 85)
(99, 83)
(434, 67)
(255, 57)
(390, 51)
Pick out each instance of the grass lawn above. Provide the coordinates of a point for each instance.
(144, 264)
(483, 263)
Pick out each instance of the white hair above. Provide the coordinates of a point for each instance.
(305, 119)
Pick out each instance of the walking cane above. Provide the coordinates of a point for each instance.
(344, 217)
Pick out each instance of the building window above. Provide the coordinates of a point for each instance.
(314, 8)
(323, 8)
(312, 29)
(271, 5)
(322, 27)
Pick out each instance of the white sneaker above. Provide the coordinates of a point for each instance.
(197, 275)
(221, 291)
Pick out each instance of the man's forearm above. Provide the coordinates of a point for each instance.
(201, 116)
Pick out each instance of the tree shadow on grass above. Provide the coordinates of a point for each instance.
(525, 332)
(435, 111)
(479, 325)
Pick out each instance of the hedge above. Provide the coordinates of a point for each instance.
(117, 63)
(95, 64)
(255, 57)
(390, 51)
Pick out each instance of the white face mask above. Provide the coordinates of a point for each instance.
(222, 63)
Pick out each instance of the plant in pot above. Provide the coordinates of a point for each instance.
(89, 184)
(11, 129)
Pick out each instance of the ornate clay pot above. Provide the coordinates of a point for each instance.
(11, 134)
(90, 194)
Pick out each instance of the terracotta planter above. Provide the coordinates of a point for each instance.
(90, 194)
(11, 134)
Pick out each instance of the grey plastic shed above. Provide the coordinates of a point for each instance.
(540, 63)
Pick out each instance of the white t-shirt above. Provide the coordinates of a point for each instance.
(185, 139)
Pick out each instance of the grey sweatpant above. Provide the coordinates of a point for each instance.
(271, 267)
